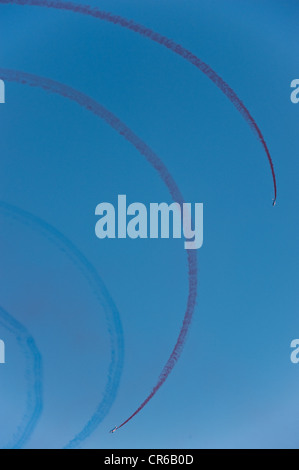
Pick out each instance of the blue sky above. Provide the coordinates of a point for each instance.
(234, 385)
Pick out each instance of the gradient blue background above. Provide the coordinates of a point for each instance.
(234, 385)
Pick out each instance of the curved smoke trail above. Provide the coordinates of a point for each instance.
(169, 44)
(33, 377)
(99, 110)
(177, 350)
(101, 293)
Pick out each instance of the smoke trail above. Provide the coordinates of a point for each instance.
(177, 350)
(154, 160)
(169, 44)
(101, 293)
(33, 375)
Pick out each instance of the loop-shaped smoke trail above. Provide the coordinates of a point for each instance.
(112, 320)
(33, 375)
(100, 111)
(143, 148)
(169, 44)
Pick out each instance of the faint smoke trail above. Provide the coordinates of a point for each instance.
(164, 41)
(33, 377)
(154, 160)
(102, 295)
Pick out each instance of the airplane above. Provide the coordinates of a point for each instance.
(113, 430)
(274, 202)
